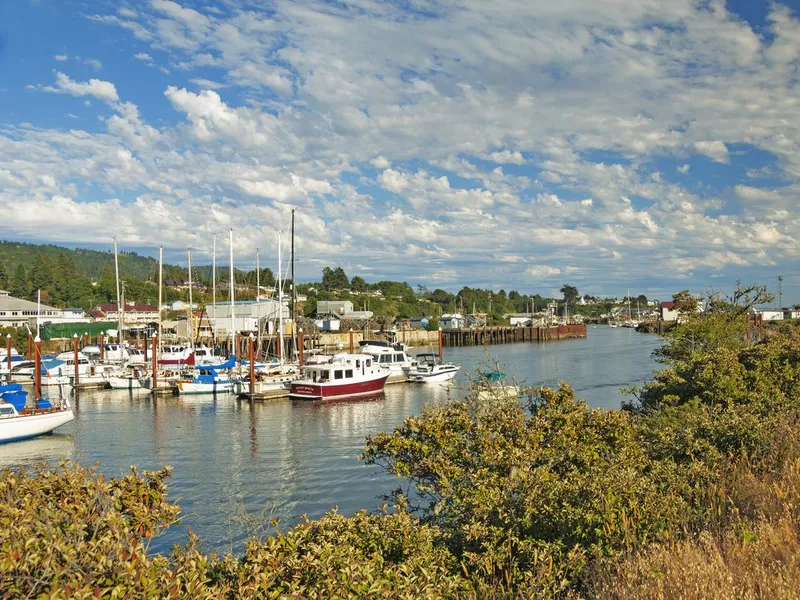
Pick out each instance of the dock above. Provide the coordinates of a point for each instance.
(507, 335)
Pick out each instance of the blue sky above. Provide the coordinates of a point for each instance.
(650, 146)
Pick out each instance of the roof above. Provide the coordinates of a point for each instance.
(135, 308)
(667, 305)
(12, 303)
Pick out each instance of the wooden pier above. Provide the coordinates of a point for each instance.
(507, 335)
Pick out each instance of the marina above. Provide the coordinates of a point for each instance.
(283, 458)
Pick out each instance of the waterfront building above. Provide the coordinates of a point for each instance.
(18, 312)
(343, 309)
(454, 321)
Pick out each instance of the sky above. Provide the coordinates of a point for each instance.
(628, 144)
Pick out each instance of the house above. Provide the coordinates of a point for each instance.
(454, 321)
(669, 312)
(180, 305)
(16, 312)
(343, 309)
(519, 319)
(180, 284)
(769, 314)
(329, 322)
(134, 313)
(475, 320)
(791, 314)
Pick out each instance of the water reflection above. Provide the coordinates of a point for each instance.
(285, 459)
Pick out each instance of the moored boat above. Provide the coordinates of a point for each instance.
(344, 376)
(431, 369)
(20, 422)
(394, 357)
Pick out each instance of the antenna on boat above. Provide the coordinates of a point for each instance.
(120, 307)
(214, 289)
(233, 323)
(280, 301)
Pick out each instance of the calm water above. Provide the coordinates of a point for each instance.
(285, 459)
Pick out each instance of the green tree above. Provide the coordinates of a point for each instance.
(334, 279)
(570, 293)
(41, 273)
(19, 285)
(358, 284)
(3, 277)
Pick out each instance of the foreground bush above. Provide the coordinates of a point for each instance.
(72, 533)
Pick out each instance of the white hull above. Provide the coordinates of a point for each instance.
(217, 387)
(124, 383)
(264, 386)
(498, 392)
(15, 428)
(436, 377)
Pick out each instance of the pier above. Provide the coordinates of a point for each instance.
(507, 335)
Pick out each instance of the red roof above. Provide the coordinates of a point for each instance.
(135, 308)
(97, 314)
(667, 305)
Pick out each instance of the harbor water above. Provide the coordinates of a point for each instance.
(237, 465)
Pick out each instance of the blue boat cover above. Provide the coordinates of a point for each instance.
(51, 364)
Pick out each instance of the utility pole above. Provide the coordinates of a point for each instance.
(780, 292)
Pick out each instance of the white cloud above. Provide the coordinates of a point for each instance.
(102, 90)
(380, 162)
(715, 150)
(542, 271)
(143, 56)
(61, 57)
(684, 168)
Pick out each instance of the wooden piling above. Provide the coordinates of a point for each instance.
(154, 379)
(37, 377)
(8, 351)
(75, 358)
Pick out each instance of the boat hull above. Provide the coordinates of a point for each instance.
(24, 427)
(440, 377)
(216, 387)
(302, 390)
(124, 383)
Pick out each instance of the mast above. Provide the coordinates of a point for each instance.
(191, 306)
(214, 288)
(294, 295)
(233, 350)
(120, 308)
(38, 316)
(160, 286)
(258, 278)
(280, 299)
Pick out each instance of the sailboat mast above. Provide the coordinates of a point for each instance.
(160, 287)
(119, 306)
(280, 299)
(233, 328)
(258, 278)
(191, 306)
(214, 288)
(294, 295)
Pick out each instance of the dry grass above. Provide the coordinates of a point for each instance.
(756, 556)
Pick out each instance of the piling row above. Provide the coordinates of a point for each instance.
(506, 335)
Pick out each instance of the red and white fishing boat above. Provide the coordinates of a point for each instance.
(344, 376)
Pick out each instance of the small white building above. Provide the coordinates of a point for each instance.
(454, 321)
(769, 314)
(343, 309)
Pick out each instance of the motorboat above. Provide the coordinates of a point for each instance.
(273, 383)
(395, 356)
(176, 355)
(136, 356)
(203, 355)
(19, 421)
(97, 376)
(493, 385)
(128, 381)
(112, 353)
(343, 376)
(431, 369)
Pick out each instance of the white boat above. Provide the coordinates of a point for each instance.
(344, 376)
(267, 384)
(176, 355)
(207, 380)
(125, 382)
(204, 356)
(98, 375)
(18, 422)
(112, 353)
(395, 357)
(136, 356)
(493, 386)
(431, 369)
(16, 359)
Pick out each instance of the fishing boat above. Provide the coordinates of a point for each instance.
(431, 369)
(344, 376)
(176, 355)
(20, 422)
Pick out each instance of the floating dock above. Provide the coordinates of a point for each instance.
(507, 335)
